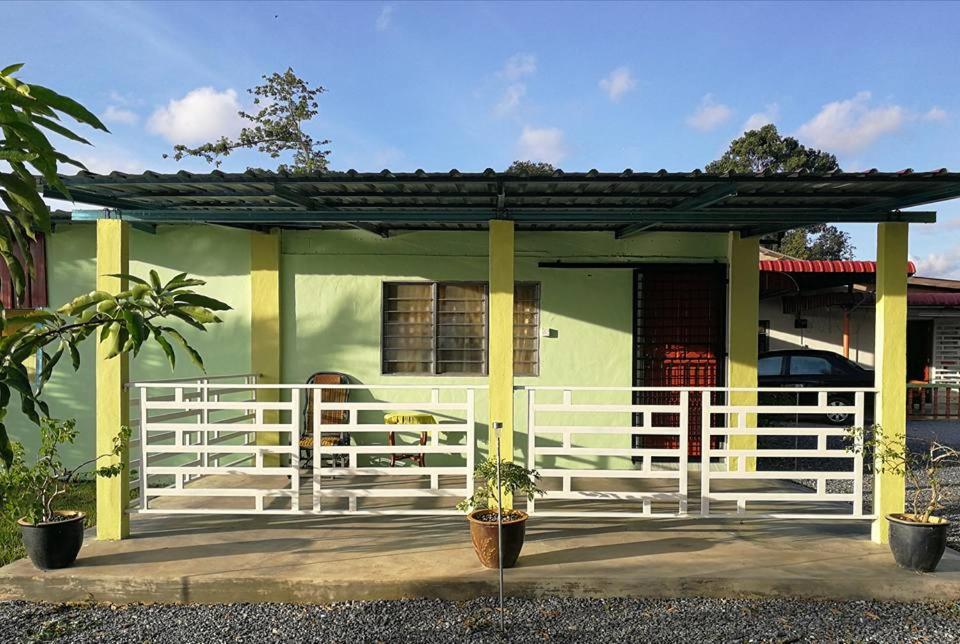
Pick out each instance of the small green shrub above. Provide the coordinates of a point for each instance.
(29, 491)
(515, 480)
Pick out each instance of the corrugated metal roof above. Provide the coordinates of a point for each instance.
(823, 266)
(933, 299)
(625, 201)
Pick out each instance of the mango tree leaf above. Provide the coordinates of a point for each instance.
(202, 300)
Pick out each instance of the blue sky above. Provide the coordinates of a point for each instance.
(476, 85)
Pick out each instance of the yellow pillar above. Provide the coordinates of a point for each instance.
(890, 372)
(113, 404)
(500, 377)
(743, 296)
(265, 326)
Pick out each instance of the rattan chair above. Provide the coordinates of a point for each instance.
(327, 417)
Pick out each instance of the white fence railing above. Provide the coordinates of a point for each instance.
(239, 384)
(230, 445)
(802, 417)
(202, 451)
(571, 461)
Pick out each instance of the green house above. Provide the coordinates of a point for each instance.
(615, 312)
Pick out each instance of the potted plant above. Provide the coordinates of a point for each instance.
(918, 537)
(51, 537)
(484, 510)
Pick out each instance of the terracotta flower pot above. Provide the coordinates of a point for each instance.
(484, 535)
(917, 546)
(54, 544)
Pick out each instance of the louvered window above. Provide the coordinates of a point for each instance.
(440, 328)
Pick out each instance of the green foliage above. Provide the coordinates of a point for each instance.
(515, 480)
(923, 469)
(531, 168)
(123, 323)
(821, 241)
(287, 103)
(28, 114)
(29, 491)
(765, 149)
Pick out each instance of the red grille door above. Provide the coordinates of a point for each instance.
(679, 328)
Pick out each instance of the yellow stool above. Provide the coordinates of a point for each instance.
(408, 418)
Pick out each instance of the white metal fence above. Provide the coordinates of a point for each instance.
(230, 445)
(751, 431)
(573, 462)
(201, 450)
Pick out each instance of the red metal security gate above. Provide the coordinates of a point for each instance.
(679, 338)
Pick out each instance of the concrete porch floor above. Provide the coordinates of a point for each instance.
(209, 559)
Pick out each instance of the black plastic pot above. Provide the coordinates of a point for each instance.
(917, 546)
(484, 536)
(54, 544)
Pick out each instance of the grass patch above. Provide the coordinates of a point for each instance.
(81, 496)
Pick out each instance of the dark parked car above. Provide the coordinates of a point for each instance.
(816, 369)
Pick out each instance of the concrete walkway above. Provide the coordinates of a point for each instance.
(208, 559)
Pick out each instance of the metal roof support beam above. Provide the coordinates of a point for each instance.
(144, 228)
(370, 228)
(916, 199)
(729, 217)
(708, 197)
(633, 229)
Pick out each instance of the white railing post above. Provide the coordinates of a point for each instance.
(143, 450)
(706, 435)
(470, 440)
(317, 395)
(683, 440)
(858, 422)
(531, 440)
(295, 454)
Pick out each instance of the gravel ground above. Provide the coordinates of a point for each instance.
(547, 619)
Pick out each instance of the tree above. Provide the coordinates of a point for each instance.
(27, 114)
(532, 168)
(766, 149)
(123, 321)
(287, 103)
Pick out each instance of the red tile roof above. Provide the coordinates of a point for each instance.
(823, 266)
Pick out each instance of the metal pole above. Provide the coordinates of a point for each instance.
(496, 429)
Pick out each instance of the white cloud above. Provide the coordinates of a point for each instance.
(202, 115)
(709, 115)
(510, 100)
(384, 18)
(935, 114)
(114, 114)
(758, 119)
(519, 66)
(542, 144)
(851, 124)
(617, 83)
(105, 164)
(946, 264)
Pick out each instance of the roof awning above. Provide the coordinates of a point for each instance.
(823, 266)
(933, 299)
(625, 203)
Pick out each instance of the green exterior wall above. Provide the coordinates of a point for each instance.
(331, 294)
(219, 255)
(332, 288)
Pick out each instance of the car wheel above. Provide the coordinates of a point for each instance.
(838, 418)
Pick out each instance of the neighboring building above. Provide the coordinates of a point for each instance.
(829, 305)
